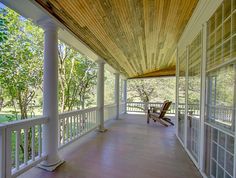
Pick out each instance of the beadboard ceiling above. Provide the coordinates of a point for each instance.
(136, 37)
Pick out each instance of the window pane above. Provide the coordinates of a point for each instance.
(230, 144)
(220, 172)
(229, 163)
(221, 156)
(213, 168)
(220, 96)
(227, 8)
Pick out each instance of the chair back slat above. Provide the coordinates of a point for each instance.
(164, 108)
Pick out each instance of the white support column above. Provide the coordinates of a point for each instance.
(125, 94)
(100, 95)
(50, 96)
(117, 93)
(203, 95)
(177, 95)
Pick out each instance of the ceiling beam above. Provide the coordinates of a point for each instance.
(158, 73)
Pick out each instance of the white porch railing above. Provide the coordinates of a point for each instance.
(15, 137)
(109, 112)
(74, 124)
(142, 106)
(21, 146)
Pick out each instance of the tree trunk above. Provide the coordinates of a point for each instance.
(1, 103)
(82, 102)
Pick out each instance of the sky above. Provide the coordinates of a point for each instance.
(2, 5)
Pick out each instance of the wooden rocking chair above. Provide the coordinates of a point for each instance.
(160, 116)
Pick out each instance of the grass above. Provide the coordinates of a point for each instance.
(7, 114)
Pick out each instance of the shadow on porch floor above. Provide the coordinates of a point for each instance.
(129, 149)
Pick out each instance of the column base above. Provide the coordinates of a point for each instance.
(102, 130)
(52, 167)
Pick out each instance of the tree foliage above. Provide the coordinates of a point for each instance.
(109, 87)
(151, 90)
(21, 68)
(21, 61)
(77, 78)
(3, 25)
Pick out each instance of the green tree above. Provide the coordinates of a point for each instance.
(21, 61)
(77, 78)
(3, 25)
(151, 90)
(109, 88)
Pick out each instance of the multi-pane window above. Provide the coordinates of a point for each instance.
(193, 97)
(221, 35)
(220, 96)
(219, 153)
(182, 94)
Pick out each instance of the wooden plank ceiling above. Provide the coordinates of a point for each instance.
(136, 37)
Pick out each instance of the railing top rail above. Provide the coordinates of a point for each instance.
(140, 102)
(25, 123)
(221, 107)
(71, 113)
(135, 102)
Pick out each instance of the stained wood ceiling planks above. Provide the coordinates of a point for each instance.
(135, 37)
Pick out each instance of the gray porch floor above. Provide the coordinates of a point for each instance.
(129, 149)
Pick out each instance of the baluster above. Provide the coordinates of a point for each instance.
(67, 129)
(87, 117)
(80, 123)
(17, 149)
(70, 126)
(63, 130)
(94, 118)
(26, 146)
(40, 140)
(86, 121)
(33, 143)
(74, 125)
(83, 122)
(77, 124)
(91, 119)
(8, 150)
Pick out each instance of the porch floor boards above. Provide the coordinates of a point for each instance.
(129, 149)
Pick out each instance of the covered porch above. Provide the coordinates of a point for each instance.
(130, 148)
(192, 40)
